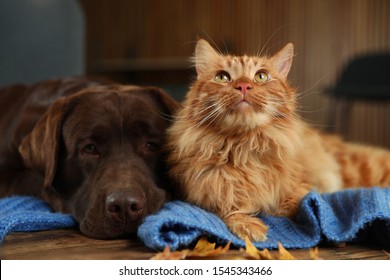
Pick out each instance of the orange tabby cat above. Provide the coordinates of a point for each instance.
(238, 148)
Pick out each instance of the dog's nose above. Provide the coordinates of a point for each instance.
(125, 206)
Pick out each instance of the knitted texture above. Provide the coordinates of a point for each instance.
(355, 215)
(24, 213)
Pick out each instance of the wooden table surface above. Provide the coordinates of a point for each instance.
(70, 244)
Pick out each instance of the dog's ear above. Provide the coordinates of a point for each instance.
(40, 148)
(164, 100)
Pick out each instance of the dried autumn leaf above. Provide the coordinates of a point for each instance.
(254, 253)
(206, 249)
(250, 249)
(265, 255)
(168, 255)
(313, 253)
(203, 247)
(284, 254)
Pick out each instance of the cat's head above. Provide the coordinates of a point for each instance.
(243, 92)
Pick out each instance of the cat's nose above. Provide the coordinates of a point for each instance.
(243, 87)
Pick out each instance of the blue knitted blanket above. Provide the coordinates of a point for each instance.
(25, 213)
(357, 215)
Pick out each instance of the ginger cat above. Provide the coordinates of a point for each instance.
(238, 148)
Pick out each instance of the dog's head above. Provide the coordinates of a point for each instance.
(99, 152)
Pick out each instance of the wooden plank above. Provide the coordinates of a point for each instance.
(70, 244)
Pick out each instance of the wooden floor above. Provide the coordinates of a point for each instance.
(70, 244)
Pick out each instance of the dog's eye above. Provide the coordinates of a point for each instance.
(153, 146)
(90, 149)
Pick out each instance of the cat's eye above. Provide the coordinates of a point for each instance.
(261, 76)
(222, 77)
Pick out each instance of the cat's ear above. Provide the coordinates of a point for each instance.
(283, 59)
(204, 55)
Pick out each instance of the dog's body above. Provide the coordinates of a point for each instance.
(87, 148)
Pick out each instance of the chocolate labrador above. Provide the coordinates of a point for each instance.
(87, 148)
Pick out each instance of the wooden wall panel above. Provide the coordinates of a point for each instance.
(326, 34)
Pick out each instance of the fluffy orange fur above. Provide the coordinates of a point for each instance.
(238, 148)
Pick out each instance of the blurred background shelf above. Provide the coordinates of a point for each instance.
(149, 42)
(141, 64)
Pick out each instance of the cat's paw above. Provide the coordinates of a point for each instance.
(289, 206)
(247, 226)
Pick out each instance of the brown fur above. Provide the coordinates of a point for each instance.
(238, 148)
(88, 148)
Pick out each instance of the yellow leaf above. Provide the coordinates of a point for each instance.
(265, 255)
(168, 255)
(203, 247)
(251, 250)
(284, 254)
(313, 253)
(206, 249)
(254, 253)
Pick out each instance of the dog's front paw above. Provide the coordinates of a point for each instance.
(247, 226)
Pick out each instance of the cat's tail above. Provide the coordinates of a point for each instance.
(362, 166)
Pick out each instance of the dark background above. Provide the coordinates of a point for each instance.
(149, 42)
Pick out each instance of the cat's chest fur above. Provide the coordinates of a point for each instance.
(247, 172)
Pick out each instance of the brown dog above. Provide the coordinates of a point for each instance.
(87, 148)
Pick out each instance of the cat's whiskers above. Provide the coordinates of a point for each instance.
(207, 115)
(278, 114)
(299, 109)
(310, 91)
(261, 52)
(278, 103)
(205, 104)
(275, 113)
(295, 118)
(213, 115)
(166, 117)
(222, 108)
(197, 113)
